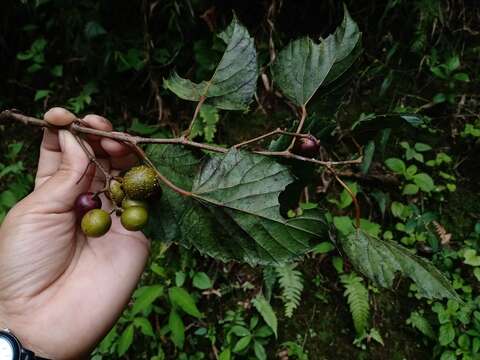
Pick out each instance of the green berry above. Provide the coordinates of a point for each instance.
(96, 223)
(115, 192)
(141, 182)
(127, 203)
(134, 218)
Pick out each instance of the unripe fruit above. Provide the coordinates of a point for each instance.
(307, 146)
(141, 182)
(96, 223)
(86, 202)
(134, 218)
(115, 192)
(127, 203)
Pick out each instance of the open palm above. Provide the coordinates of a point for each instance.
(61, 291)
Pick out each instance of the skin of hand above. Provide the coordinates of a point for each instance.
(60, 291)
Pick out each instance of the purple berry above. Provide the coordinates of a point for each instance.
(86, 202)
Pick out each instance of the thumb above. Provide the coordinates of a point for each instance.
(72, 177)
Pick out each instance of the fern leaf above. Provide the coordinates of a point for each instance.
(417, 321)
(357, 298)
(291, 282)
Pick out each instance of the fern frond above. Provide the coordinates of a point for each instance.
(357, 298)
(416, 320)
(291, 282)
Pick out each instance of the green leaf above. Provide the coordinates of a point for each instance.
(233, 213)
(367, 157)
(240, 331)
(424, 182)
(259, 350)
(125, 341)
(202, 281)
(94, 29)
(182, 299)
(357, 297)
(265, 309)
(303, 66)
(461, 77)
(144, 326)
(446, 334)
(422, 147)
(419, 322)
(381, 260)
(41, 94)
(291, 282)
(242, 344)
(176, 326)
(323, 247)
(396, 165)
(234, 82)
(471, 257)
(145, 296)
(410, 189)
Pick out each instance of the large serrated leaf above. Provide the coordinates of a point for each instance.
(381, 260)
(303, 66)
(234, 213)
(233, 84)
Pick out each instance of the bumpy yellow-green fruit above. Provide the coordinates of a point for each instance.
(141, 182)
(115, 192)
(127, 203)
(134, 218)
(96, 223)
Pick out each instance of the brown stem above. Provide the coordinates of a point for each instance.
(303, 116)
(135, 140)
(352, 195)
(167, 182)
(195, 114)
(93, 159)
(288, 155)
(271, 133)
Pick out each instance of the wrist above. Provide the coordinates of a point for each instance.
(14, 328)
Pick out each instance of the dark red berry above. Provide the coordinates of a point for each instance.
(86, 202)
(307, 146)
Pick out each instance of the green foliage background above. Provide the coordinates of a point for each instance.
(418, 185)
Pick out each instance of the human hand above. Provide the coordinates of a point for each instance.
(60, 291)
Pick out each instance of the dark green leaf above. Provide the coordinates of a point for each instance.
(242, 344)
(145, 296)
(368, 156)
(303, 66)
(424, 182)
(265, 309)
(233, 84)
(234, 213)
(259, 350)
(380, 261)
(125, 341)
(323, 247)
(182, 299)
(175, 323)
(396, 165)
(144, 326)
(202, 281)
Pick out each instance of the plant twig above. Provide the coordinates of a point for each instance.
(303, 116)
(271, 133)
(195, 114)
(352, 195)
(126, 138)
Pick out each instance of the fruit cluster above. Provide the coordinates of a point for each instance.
(129, 194)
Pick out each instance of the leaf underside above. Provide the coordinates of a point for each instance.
(233, 84)
(303, 66)
(381, 260)
(234, 213)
